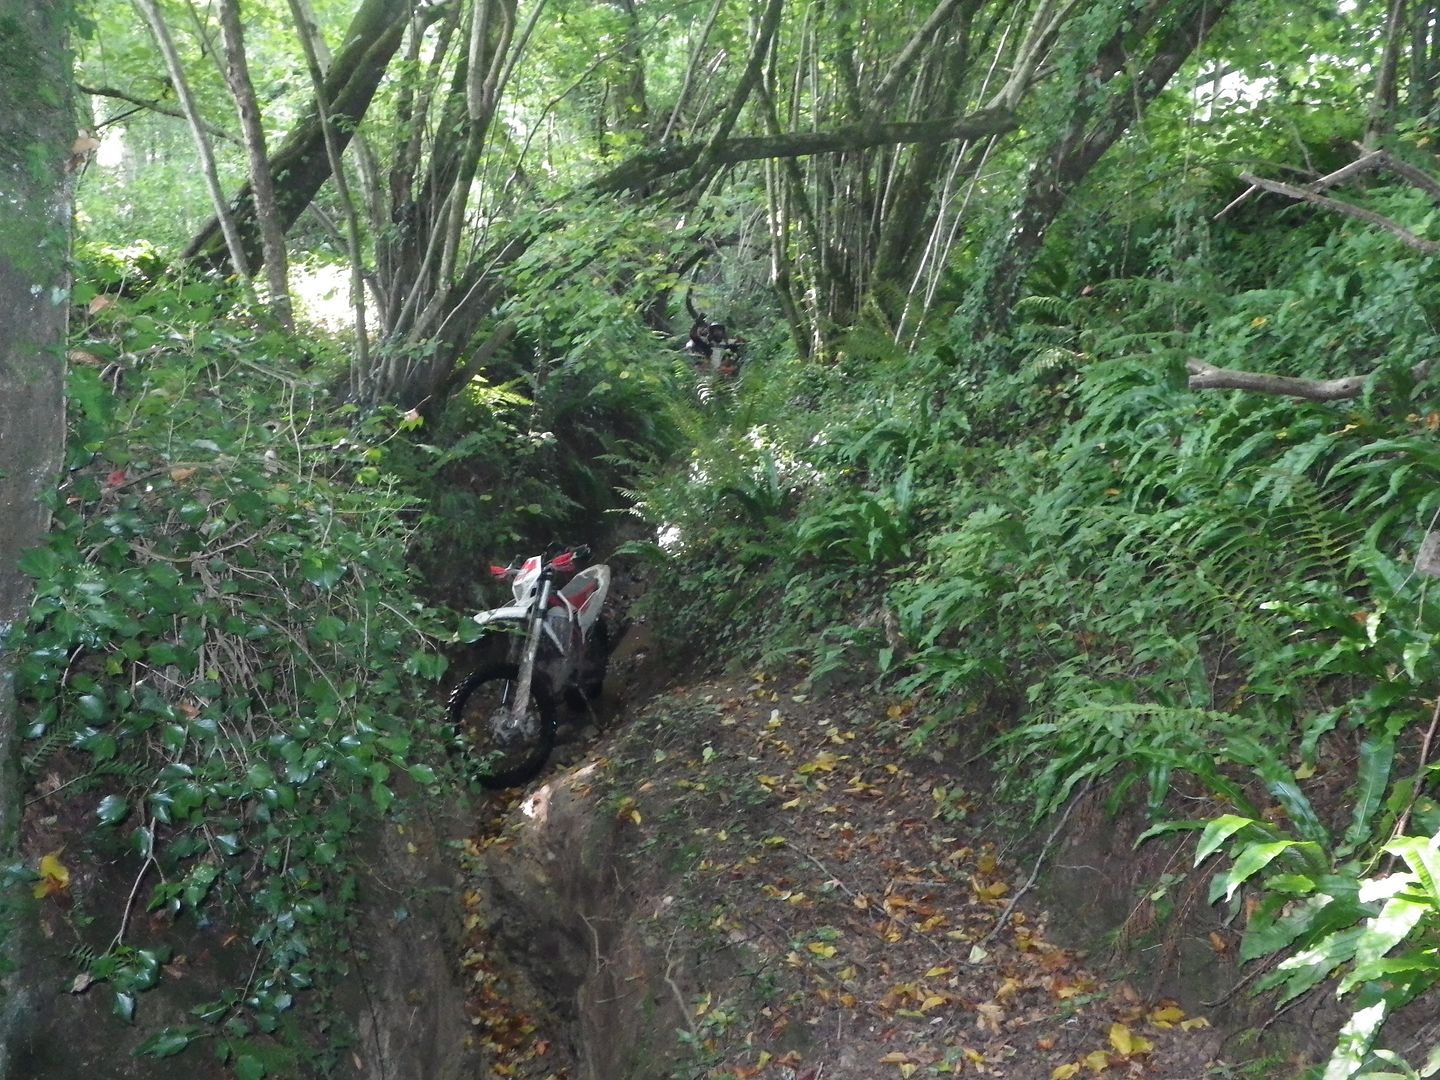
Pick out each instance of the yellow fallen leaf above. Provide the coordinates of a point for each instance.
(763, 1059)
(819, 948)
(1193, 1023)
(824, 761)
(895, 1057)
(934, 1001)
(54, 876)
(1167, 1014)
(1120, 1039)
(938, 970)
(908, 1069)
(1065, 1072)
(1097, 1061)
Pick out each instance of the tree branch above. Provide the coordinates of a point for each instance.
(1205, 376)
(148, 105)
(648, 166)
(1419, 243)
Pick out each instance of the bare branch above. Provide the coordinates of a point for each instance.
(901, 65)
(1205, 376)
(150, 106)
(150, 12)
(1374, 160)
(1421, 179)
(1419, 243)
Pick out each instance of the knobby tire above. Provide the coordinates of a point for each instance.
(473, 704)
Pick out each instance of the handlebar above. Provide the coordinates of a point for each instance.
(564, 562)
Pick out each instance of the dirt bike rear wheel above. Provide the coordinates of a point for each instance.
(496, 750)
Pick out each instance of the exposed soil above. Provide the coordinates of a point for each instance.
(751, 879)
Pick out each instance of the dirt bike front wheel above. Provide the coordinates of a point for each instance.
(499, 749)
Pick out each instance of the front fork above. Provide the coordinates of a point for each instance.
(526, 678)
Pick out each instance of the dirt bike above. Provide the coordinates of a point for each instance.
(556, 647)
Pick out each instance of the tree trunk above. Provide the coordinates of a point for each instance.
(37, 130)
(301, 165)
(225, 220)
(1100, 117)
(272, 233)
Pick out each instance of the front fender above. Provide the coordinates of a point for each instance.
(515, 613)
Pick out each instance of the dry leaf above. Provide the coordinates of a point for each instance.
(1166, 1015)
(1065, 1072)
(54, 876)
(989, 1016)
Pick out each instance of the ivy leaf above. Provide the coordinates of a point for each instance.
(249, 1067)
(112, 810)
(167, 1043)
(382, 795)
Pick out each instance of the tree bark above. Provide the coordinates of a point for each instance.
(37, 130)
(272, 233)
(1205, 376)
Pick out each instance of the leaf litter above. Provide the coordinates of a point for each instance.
(865, 890)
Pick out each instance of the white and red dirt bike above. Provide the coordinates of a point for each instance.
(555, 648)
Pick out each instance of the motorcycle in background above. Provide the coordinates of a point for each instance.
(504, 715)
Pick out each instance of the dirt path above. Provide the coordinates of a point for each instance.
(825, 904)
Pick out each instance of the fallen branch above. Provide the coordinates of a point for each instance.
(1374, 160)
(1039, 862)
(1205, 376)
(1409, 239)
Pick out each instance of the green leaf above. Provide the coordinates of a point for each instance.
(167, 1043)
(1422, 855)
(1352, 1044)
(124, 1007)
(91, 707)
(1217, 832)
(1252, 859)
(422, 774)
(249, 1067)
(112, 810)
(1382, 933)
(1377, 753)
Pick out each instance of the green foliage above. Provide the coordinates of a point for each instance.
(225, 652)
(1207, 595)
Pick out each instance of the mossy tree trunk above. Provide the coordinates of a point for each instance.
(37, 133)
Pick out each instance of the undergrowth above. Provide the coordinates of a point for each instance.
(1114, 578)
(226, 667)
